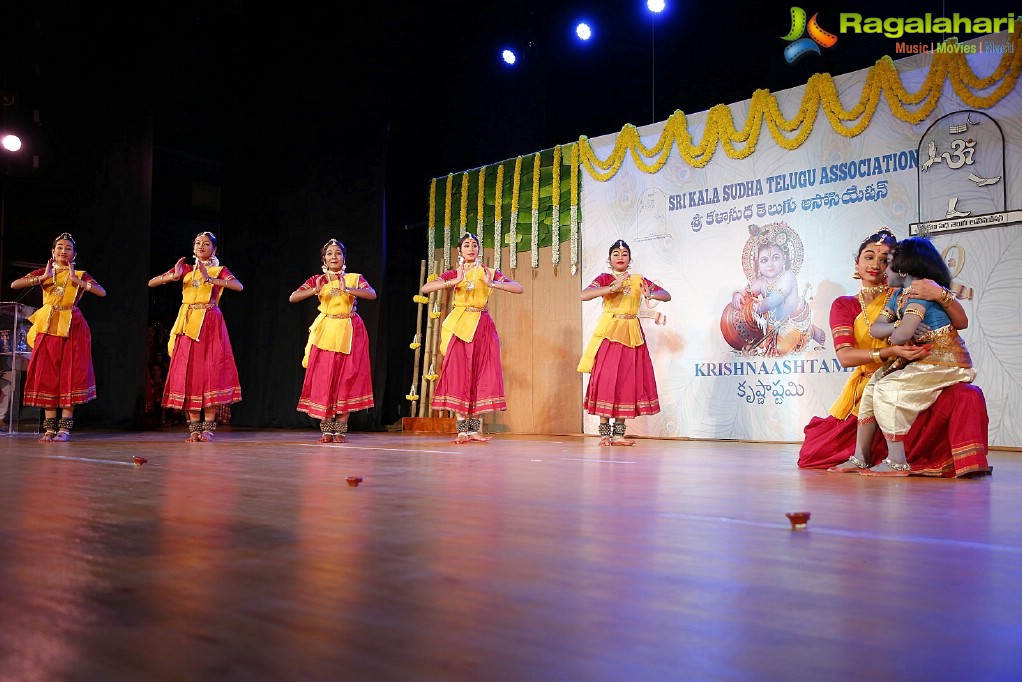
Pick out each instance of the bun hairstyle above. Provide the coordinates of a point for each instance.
(65, 236)
(619, 244)
(333, 242)
(881, 236)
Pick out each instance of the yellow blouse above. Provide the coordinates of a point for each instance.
(197, 296)
(619, 321)
(331, 330)
(59, 298)
(470, 298)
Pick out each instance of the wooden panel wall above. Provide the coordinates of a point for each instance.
(540, 342)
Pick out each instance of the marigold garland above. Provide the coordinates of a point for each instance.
(419, 298)
(534, 242)
(573, 207)
(480, 205)
(512, 230)
(498, 206)
(463, 222)
(431, 224)
(821, 94)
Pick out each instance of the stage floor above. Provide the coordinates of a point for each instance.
(526, 558)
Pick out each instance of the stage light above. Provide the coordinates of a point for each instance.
(583, 31)
(10, 142)
(508, 56)
(656, 6)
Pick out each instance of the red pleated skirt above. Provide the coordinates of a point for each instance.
(338, 383)
(471, 381)
(60, 372)
(949, 440)
(203, 373)
(622, 384)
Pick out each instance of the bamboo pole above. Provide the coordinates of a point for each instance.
(429, 358)
(418, 340)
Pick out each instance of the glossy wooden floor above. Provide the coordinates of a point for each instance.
(527, 558)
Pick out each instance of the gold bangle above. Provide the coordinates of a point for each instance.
(88, 286)
(875, 354)
(947, 299)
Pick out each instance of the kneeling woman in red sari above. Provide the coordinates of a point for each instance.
(471, 381)
(950, 437)
(621, 385)
(60, 373)
(202, 372)
(337, 376)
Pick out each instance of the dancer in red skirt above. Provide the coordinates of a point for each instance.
(471, 381)
(202, 372)
(337, 376)
(60, 373)
(621, 382)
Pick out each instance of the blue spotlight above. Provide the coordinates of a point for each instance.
(656, 6)
(583, 31)
(508, 56)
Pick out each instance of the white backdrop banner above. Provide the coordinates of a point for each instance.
(701, 232)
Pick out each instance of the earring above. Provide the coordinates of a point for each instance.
(856, 275)
(325, 269)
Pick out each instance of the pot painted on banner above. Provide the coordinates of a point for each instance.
(738, 324)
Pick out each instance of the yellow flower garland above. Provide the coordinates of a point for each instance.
(431, 236)
(498, 206)
(512, 231)
(534, 242)
(882, 82)
(573, 218)
(480, 205)
(463, 222)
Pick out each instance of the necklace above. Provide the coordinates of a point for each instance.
(861, 295)
(873, 290)
(59, 289)
(470, 285)
(624, 279)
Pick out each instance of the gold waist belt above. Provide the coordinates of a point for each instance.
(946, 330)
(61, 308)
(340, 316)
(624, 316)
(471, 309)
(201, 306)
